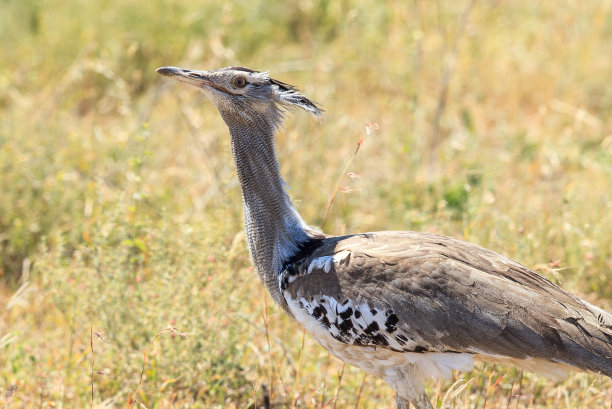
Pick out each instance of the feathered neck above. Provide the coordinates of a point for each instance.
(274, 227)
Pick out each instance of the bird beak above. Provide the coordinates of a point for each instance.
(195, 78)
(199, 79)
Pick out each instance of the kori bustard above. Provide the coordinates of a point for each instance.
(404, 306)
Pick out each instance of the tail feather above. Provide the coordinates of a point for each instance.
(588, 340)
(604, 318)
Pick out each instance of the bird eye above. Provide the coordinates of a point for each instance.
(239, 82)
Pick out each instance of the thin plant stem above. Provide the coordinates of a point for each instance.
(298, 370)
(322, 401)
(510, 394)
(518, 396)
(484, 406)
(446, 77)
(145, 353)
(266, 322)
(339, 384)
(337, 187)
(360, 390)
(497, 382)
(92, 363)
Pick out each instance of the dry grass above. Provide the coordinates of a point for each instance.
(120, 212)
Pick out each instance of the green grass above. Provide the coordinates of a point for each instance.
(120, 210)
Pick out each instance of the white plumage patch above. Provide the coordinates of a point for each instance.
(324, 263)
(551, 370)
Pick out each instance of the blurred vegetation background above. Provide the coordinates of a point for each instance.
(122, 259)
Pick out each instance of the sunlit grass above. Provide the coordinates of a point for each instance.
(120, 210)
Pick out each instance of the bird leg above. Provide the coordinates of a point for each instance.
(420, 401)
(401, 403)
(409, 384)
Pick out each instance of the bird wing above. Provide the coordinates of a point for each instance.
(422, 292)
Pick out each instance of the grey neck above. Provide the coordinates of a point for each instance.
(273, 226)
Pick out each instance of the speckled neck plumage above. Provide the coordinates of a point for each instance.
(274, 228)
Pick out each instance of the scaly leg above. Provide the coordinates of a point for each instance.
(421, 401)
(409, 384)
(401, 403)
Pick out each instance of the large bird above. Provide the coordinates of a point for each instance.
(403, 306)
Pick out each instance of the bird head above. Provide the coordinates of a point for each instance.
(243, 93)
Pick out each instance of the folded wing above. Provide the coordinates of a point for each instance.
(417, 292)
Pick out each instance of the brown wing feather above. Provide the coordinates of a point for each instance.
(449, 295)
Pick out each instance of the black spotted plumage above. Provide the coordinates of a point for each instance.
(347, 314)
(345, 325)
(391, 323)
